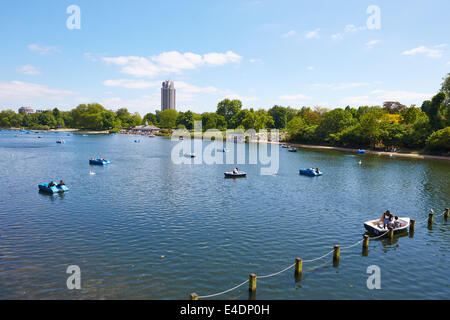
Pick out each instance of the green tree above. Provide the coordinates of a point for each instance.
(168, 118)
(186, 119)
(439, 141)
(333, 122)
(279, 115)
(228, 108)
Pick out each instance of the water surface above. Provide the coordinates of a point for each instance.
(145, 228)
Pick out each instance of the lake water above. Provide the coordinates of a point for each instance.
(212, 232)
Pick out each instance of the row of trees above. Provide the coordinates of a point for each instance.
(390, 125)
(91, 117)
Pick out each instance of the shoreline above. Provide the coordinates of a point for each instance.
(379, 153)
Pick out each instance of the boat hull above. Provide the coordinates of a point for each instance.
(52, 190)
(310, 173)
(235, 175)
(373, 228)
(98, 162)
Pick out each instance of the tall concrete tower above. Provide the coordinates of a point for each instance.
(167, 95)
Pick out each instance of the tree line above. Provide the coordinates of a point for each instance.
(390, 125)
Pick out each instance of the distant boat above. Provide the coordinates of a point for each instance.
(284, 146)
(137, 141)
(45, 187)
(310, 172)
(360, 151)
(292, 149)
(376, 227)
(61, 141)
(239, 174)
(91, 173)
(85, 135)
(99, 161)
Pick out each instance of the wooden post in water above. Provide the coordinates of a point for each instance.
(336, 255)
(193, 296)
(430, 218)
(391, 233)
(252, 282)
(366, 242)
(446, 213)
(298, 266)
(412, 225)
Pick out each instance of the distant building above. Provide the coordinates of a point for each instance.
(168, 95)
(26, 110)
(146, 129)
(42, 111)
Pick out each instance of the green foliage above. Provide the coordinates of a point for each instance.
(228, 108)
(168, 119)
(439, 141)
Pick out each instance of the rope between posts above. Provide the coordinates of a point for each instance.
(223, 292)
(306, 261)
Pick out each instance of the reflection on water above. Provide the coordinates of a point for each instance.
(212, 231)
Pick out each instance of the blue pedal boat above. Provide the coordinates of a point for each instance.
(99, 161)
(360, 151)
(44, 187)
(310, 172)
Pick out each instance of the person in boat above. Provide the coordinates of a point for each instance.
(386, 219)
(61, 183)
(51, 184)
(235, 170)
(396, 223)
(317, 170)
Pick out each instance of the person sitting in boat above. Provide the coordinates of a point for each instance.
(51, 184)
(396, 223)
(61, 183)
(317, 170)
(235, 170)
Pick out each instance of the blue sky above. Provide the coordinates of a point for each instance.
(296, 53)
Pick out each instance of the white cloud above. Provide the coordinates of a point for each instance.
(337, 36)
(350, 28)
(340, 86)
(399, 95)
(131, 83)
(359, 101)
(377, 97)
(310, 68)
(28, 69)
(244, 99)
(170, 62)
(26, 90)
(353, 28)
(44, 50)
(431, 53)
(289, 34)
(255, 60)
(372, 43)
(294, 97)
(314, 34)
